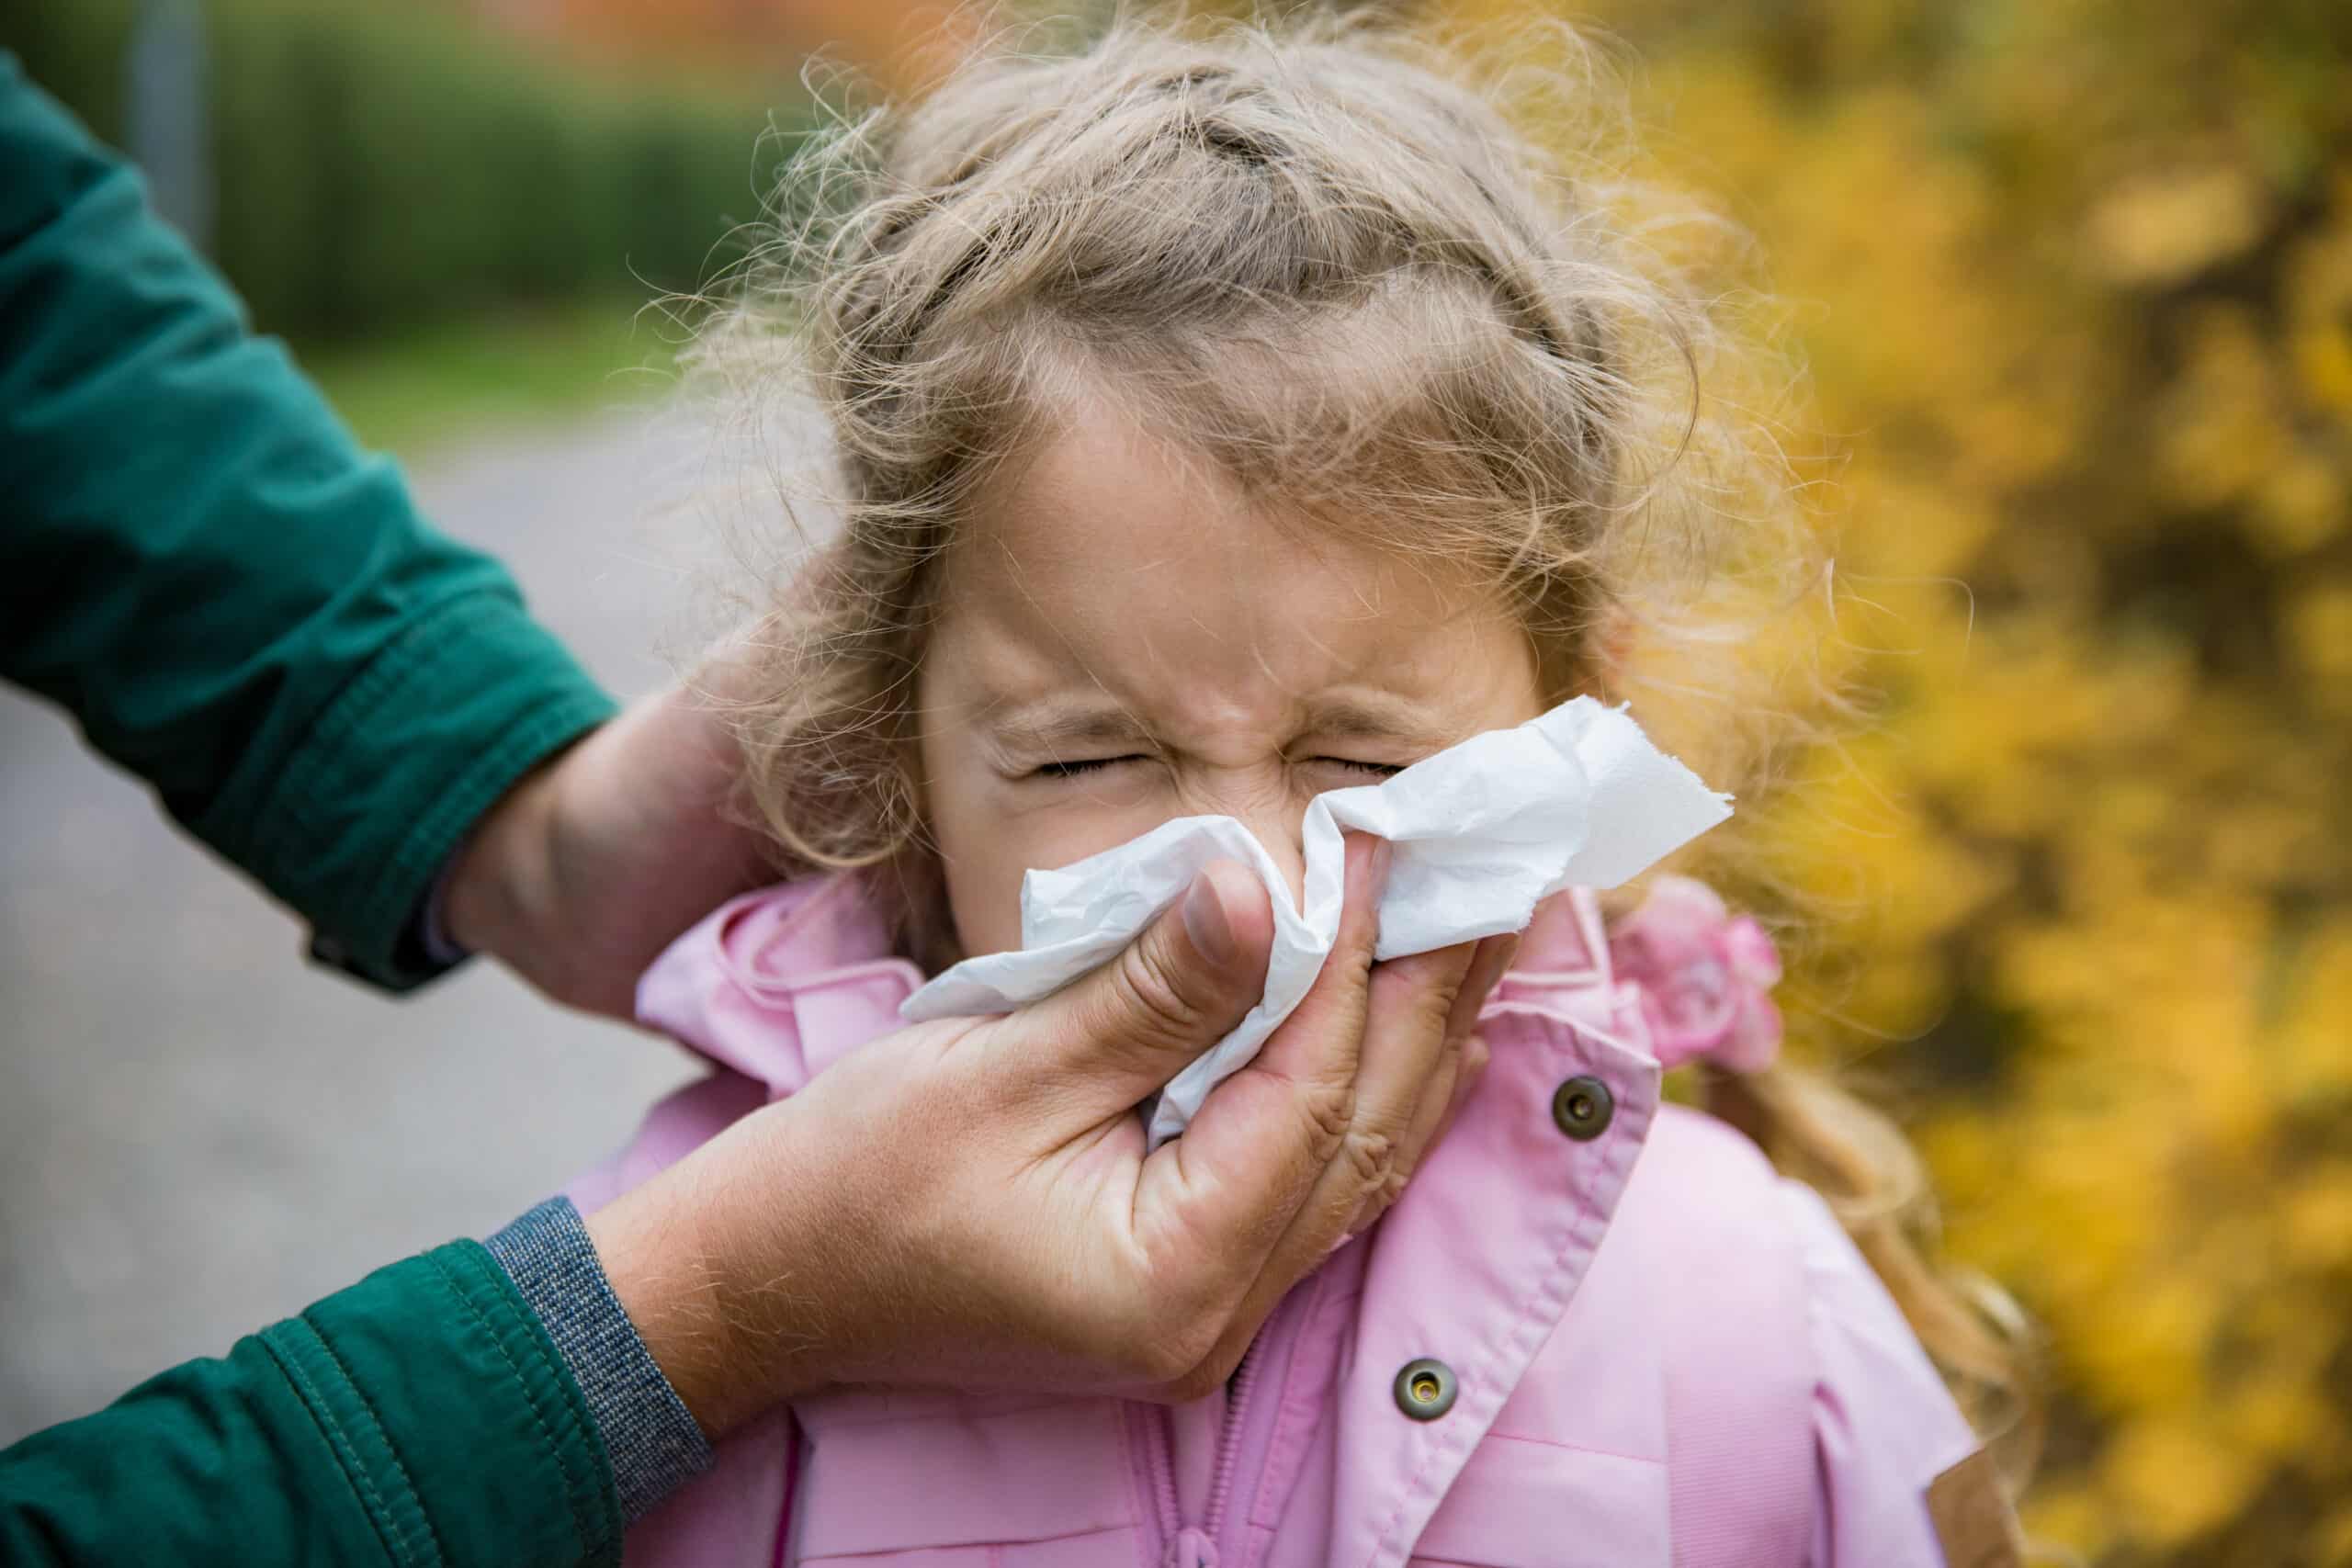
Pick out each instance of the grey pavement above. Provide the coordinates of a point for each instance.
(198, 1131)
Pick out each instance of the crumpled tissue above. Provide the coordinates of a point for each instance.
(1482, 832)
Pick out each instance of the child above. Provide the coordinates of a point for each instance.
(1223, 419)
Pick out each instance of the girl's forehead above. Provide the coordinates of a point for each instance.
(1103, 508)
(1113, 566)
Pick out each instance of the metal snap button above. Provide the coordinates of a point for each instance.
(1425, 1389)
(1583, 1106)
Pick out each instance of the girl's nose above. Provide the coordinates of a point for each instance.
(1276, 825)
(1262, 799)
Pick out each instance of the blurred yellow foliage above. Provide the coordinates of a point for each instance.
(2072, 280)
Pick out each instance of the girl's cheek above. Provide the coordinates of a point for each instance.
(1086, 821)
(992, 849)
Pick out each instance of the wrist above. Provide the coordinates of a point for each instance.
(496, 881)
(714, 1265)
(649, 1437)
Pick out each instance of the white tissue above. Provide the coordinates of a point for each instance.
(1483, 831)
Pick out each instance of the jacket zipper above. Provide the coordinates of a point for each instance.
(1161, 1450)
(1178, 1544)
(1228, 1439)
(1201, 1546)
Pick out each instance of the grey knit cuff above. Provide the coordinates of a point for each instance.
(649, 1434)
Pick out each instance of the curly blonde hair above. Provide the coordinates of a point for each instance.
(1324, 257)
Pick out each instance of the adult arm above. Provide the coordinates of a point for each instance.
(236, 602)
(421, 1416)
(495, 1404)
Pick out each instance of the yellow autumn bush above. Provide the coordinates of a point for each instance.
(2073, 281)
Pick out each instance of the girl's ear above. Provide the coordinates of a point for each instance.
(1609, 651)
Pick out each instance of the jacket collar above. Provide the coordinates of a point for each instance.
(780, 984)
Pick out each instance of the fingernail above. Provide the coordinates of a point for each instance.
(1205, 923)
(1382, 852)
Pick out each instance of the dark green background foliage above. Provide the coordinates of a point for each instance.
(377, 166)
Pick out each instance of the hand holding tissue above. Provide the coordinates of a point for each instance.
(1483, 832)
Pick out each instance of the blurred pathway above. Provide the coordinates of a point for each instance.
(200, 1132)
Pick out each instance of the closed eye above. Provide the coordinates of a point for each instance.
(1079, 766)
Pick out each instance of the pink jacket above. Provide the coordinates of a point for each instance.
(1597, 1332)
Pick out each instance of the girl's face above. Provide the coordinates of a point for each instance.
(1123, 640)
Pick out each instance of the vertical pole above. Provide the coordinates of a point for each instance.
(167, 125)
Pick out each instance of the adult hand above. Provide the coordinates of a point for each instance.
(588, 867)
(969, 1203)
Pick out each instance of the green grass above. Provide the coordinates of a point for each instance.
(425, 388)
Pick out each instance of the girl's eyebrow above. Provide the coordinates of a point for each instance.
(1373, 717)
(1051, 725)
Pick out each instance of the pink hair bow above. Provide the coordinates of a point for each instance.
(1705, 978)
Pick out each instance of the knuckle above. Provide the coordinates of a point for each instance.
(1330, 1112)
(1372, 1159)
(1444, 990)
(1409, 1160)
(1151, 996)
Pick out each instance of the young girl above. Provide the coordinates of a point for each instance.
(1224, 418)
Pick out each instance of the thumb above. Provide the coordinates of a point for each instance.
(1182, 986)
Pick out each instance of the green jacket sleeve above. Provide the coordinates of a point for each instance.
(236, 602)
(420, 1417)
